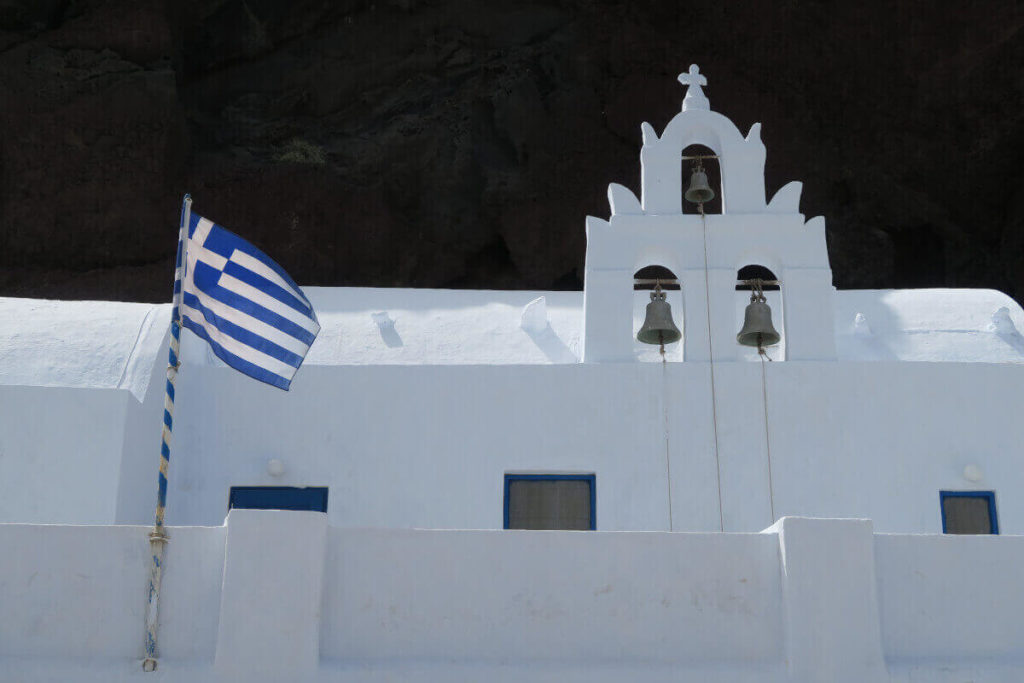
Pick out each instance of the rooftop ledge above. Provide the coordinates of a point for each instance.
(115, 345)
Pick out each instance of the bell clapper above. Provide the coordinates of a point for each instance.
(763, 352)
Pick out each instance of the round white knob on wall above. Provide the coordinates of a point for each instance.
(275, 467)
(973, 473)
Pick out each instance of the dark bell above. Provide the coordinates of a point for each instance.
(699, 191)
(757, 326)
(658, 327)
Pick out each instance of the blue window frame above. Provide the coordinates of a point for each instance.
(279, 498)
(517, 483)
(968, 512)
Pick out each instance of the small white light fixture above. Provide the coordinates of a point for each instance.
(275, 467)
(973, 473)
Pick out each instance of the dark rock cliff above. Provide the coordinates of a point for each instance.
(461, 144)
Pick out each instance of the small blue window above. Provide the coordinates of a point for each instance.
(968, 512)
(550, 501)
(279, 498)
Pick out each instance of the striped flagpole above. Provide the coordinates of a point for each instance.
(158, 536)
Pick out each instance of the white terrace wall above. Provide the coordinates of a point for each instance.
(929, 586)
(281, 596)
(428, 446)
(640, 598)
(77, 593)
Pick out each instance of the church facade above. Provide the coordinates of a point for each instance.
(511, 486)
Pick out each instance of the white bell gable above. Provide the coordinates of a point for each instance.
(706, 252)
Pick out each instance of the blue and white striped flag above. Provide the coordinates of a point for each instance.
(254, 316)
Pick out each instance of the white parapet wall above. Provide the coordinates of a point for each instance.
(277, 595)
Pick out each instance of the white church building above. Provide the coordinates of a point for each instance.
(509, 486)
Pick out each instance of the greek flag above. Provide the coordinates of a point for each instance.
(255, 318)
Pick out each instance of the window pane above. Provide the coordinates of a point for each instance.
(279, 498)
(549, 504)
(967, 515)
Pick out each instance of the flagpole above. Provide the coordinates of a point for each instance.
(158, 536)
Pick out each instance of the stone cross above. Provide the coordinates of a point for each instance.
(695, 98)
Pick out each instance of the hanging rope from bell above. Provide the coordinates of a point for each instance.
(757, 320)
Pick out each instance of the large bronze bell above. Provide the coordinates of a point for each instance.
(699, 191)
(757, 324)
(658, 327)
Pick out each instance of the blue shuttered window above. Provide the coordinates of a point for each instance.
(279, 498)
(550, 501)
(968, 512)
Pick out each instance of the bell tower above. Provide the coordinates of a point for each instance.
(707, 252)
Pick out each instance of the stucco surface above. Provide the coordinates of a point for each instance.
(115, 345)
(806, 600)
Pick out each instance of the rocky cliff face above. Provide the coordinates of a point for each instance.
(461, 144)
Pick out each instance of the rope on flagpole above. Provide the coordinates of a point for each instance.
(158, 536)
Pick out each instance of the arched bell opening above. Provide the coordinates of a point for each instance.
(749, 279)
(652, 322)
(698, 159)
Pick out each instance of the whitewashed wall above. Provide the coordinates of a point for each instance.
(141, 440)
(931, 587)
(428, 446)
(522, 595)
(81, 395)
(78, 592)
(60, 453)
(282, 596)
